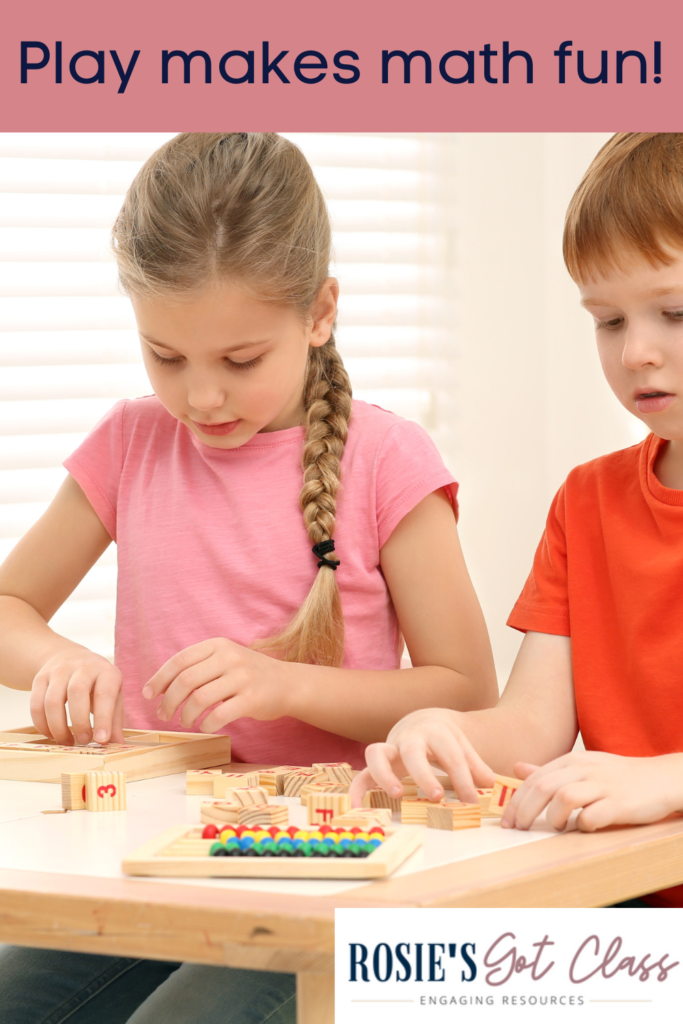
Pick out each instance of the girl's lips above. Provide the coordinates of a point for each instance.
(216, 429)
(654, 403)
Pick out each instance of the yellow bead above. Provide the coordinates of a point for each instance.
(333, 835)
(316, 835)
(346, 835)
(281, 835)
(249, 832)
(301, 835)
(363, 835)
(261, 834)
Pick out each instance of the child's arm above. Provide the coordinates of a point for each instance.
(440, 618)
(535, 713)
(35, 580)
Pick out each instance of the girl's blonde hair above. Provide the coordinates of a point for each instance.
(246, 207)
(629, 204)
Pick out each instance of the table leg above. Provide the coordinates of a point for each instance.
(314, 998)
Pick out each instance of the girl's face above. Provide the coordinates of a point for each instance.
(227, 365)
(638, 314)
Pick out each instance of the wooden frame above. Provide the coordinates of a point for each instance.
(154, 858)
(27, 756)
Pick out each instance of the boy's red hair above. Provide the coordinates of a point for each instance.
(629, 204)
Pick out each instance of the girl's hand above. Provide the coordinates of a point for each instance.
(241, 683)
(86, 682)
(612, 790)
(423, 738)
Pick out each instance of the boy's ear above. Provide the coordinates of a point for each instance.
(324, 312)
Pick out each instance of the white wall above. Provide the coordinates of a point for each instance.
(531, 400)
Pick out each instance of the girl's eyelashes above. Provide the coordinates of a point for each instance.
(233, 365)
(673, 314)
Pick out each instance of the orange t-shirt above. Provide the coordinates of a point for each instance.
(609, 573)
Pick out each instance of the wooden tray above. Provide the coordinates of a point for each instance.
(27, 756)
(180, 851)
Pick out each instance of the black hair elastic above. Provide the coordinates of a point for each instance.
(322, 549)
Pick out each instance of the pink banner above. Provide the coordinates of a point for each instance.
(362, 65)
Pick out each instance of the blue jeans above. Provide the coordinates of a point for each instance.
(44, 986)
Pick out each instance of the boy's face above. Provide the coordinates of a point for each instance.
(638, 314)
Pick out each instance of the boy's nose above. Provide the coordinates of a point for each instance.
(640, 349)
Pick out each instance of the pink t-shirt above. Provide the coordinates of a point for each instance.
(212, 543)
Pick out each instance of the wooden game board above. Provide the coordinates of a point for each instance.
(27, 756)
(181, 851)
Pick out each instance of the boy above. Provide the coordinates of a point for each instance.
(603, 607)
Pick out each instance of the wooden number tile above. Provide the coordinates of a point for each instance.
(322, 807)
(73, 791)
(105, 791)
(293, 781)
(503, 791)
(219, 812)
(321, 787)
(363, 817)
(409, 788)
(484, 798)
(233, 780)
(378, 798)
(453, 815)
(414, 811)
(264, 814)
(336, 771)
(200, 783)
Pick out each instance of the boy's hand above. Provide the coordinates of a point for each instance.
(86, 682)
(612, 790)
(423, 738)
(233, 680)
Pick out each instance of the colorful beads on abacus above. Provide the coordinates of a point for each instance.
(322, 841)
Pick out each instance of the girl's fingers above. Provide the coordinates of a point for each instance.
(37, 705)
(210, 695)
(186, 683)
(55, 708)
(117, 722)
(384, 762)
(359, 787)
(174, 666)
(226, 712)
(452, 758)
(523, 769)
(105, 695)
(78, 692)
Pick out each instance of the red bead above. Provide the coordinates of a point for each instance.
(273, 830)
(355, 831)
(292, 830)
(239, 829)
(324, 829)
(210, 832)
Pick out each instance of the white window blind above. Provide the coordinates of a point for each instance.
(68, 346)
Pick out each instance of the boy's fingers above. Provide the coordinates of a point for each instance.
(523, 769)
(568, 799)
(105, 696)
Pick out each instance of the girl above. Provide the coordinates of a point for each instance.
(223, 245)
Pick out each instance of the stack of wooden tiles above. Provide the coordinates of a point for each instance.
(227, 810)
(294, 781)
(336, 771)
(273, 779)
(452, 815)
(414, 811)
